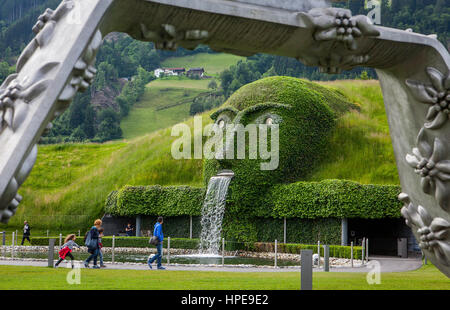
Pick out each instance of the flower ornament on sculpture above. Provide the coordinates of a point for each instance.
(340, 25)
(434, 233)
(430, 163)
(437, 94)
(336, 33)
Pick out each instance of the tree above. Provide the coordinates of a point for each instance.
(196, 107)
(364, 76)
(89, 122)
(212, 84)
(78, 135)
(109, 126)
(4, 71)
(226, 77)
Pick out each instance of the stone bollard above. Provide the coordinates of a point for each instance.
(326, 258)
(351, 253)
(367, 250)
(223, 252)
(190, 227)
(318, 252)
(51, 252)
(168, 251)
(3, 243)
(306, 270)
(113, 248)
(12, 244)
(276, 253)
(60, 240)
(363, 252)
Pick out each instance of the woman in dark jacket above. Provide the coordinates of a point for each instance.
(93, 247)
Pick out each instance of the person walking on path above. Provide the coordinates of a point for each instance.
(158, 233)
(66, 249)
(92, 243)
(100, 251)
(26, 232)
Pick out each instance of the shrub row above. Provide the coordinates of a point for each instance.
(338, 251)
(183, 243)
(307, 200)
(335, 198)
(155, 200)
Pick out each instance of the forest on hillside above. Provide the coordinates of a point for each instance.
(125, 66)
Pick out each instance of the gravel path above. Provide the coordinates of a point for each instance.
(386, 264)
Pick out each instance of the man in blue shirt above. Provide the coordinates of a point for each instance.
(158, 233)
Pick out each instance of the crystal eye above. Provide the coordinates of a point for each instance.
(221, 123)
(269, 121)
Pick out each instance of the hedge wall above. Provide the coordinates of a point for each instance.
(335, 198)
(155, 200)
(304, 200)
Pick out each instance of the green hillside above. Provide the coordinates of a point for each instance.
(160, 107)
(75, 179)
(361, 147)
(167, 101)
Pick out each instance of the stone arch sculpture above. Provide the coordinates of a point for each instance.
(413, 70)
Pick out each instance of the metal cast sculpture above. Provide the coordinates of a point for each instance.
(413, 70)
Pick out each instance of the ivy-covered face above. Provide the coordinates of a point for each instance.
(298, 110)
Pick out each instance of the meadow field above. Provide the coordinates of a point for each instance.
(43, 278)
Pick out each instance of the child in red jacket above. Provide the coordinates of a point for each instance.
(66, 249)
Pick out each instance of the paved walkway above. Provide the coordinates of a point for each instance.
(387, 264)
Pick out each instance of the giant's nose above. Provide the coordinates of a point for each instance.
(227, 150)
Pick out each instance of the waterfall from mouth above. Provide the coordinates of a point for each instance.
(212, 213)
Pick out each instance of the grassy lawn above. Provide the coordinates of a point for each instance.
(41, 278)
(360, 148)
(151, 114)
(212, 63)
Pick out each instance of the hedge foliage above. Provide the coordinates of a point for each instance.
(192, 244)
(335, 198)
(155, 200)
(301, 200)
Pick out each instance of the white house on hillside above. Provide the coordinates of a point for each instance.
(169, 71)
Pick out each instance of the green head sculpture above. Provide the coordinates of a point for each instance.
(304, 114)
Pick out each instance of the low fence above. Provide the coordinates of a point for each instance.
(348, 252)
(336, 251)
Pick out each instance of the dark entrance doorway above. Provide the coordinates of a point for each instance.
(383, 235)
